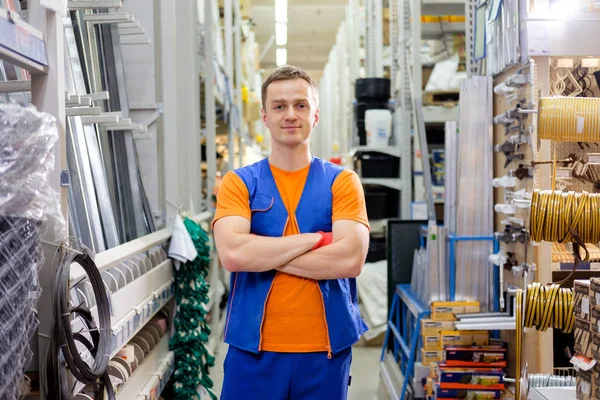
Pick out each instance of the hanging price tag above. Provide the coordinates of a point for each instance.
(565, 63)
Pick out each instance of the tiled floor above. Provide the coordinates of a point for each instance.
(365, 372)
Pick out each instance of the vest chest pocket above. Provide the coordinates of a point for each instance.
(265, 215)
(261, 203)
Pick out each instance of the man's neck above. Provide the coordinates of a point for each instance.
(290, 159)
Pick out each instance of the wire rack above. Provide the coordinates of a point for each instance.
(20, 257)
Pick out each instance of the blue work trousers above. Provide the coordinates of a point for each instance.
(286, 376)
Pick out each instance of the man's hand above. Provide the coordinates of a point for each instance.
(344, 258)
(241, 251)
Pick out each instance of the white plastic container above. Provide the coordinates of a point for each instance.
(378, 124)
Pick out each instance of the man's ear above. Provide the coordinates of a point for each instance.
(264, 116)
(316, 117)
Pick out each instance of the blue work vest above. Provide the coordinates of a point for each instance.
(249, 290)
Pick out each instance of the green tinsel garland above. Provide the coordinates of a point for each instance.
(192, 358)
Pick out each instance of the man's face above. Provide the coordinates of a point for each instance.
(290, 112)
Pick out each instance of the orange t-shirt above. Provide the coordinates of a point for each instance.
(294, 320)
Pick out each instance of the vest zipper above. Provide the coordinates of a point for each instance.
(326, 326)
(262, 321)
(230, 306)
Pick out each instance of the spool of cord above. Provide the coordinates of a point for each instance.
(65, 345)
(549, 307)
(564, 217)
(569, 119)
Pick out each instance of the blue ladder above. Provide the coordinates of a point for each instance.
(403, 302)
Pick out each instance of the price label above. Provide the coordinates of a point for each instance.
(590, 62)
(565, 63)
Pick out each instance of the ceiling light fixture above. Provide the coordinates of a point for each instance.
(280, 33)
(281, 56)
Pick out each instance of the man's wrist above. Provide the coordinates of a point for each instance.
(320, 239)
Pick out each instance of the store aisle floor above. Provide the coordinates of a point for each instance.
(365, 372)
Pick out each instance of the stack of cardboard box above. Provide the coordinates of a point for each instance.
(461, 362)
(587, 335)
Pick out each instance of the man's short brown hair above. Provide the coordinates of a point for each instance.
(289, 72)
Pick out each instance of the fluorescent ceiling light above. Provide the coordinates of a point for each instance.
(281, 56)
(280, 33)
(281, 10)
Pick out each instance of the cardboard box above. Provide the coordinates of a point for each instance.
(465, 338)
(583, 337)
(595, 291)
(429, 326)
(467, 394)
(482, 356)
(584, 385)
(596, 347)
(446, 311)
(432, 342)
(430, 357)
(581, 290)
(595, 319)
(471, 378)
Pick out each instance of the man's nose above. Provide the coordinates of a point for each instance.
(291, 113)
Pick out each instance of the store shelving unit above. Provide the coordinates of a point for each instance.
(164, 44)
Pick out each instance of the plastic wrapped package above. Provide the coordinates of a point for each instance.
(27, 139)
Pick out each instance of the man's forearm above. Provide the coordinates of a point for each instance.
(342, 259)
(252, 253)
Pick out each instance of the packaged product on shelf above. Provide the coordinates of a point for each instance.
(432, 342)
(581, 289)
(447, 394)
(431, 357)
(498, 343)
(596, 346)
(465, 338)
(595, 291)
(583, 340)
(595, 319)
(429, 326)
(476, 356)
(446, 311)
(429, 386)
(584, 385)
(471, 378)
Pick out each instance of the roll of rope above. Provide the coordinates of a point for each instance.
(64, 347)
(569, 119)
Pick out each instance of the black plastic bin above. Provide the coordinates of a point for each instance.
(377, 165)
(381, 202)
(372, 89)
(377, 249)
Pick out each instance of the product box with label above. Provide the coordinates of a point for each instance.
(595, 319)
(584, 385)
(431, 327)
(431, 357)
(446, 394)
(471, 378)
(581, 290)
(432, 342)
(583, 337)
(446, 311)
(595, 291)
(596, 346)
(465, 338)
(476, 356)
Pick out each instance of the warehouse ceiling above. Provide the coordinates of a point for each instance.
(312, 29)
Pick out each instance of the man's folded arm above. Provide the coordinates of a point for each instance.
(344, 258)
(240, 251)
